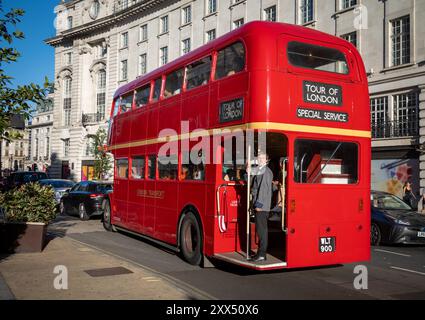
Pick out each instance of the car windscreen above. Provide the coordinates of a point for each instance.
(103, 188)
(58, 184)
(388, 202)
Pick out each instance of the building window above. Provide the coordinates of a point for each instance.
(210, 35)
(89, 147)
(101, 95)
(379, 117)
(47, 143)
(238, 23)
(187, 15)
(307, 13)
(66, 145)
(406, 114)
(211, 6)
(68, 58)
(67, 83)
(124, 70)
(36, 147)
(124, 40)
(400, 37)
(351, 37)
(142, 64)
(164, 24)
(143, 33)
(69, 22)
(185, 46)
(345, 4)
(163, 56)
(270, 14)
(124, 4)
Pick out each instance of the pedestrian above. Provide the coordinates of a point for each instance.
(261, 202)
(409, 197)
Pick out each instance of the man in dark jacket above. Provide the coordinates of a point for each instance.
(261, 202)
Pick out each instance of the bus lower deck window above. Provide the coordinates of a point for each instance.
(152, 167)
(138, 168)
(315, 57)
(122, 168)
(167, 167)
(325, 162)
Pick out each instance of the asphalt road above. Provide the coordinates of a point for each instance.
(393, 272)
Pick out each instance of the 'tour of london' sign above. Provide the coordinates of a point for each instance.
(231, 110)
(322, 93)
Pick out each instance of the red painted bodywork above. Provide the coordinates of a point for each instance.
(272, 90)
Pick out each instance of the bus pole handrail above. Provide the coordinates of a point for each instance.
(219, 215)
(283, 191)
(248, 202)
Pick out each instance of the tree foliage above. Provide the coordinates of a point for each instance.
(102, 159)
(14, 100)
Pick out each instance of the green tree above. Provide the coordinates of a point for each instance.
(102, 159)
(14, 100)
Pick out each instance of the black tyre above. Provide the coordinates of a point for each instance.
(375, 235)
(191, 239)
(82, 212)
(107, 216)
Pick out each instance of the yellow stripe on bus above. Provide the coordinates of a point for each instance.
(253, 126)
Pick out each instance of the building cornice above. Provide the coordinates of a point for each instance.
(102, 22)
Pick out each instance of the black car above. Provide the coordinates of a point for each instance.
(394, 222)
(17, 179)
(85, 199)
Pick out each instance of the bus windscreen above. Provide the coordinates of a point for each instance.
(310, 56)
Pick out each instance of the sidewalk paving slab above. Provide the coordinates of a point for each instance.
(31, 276)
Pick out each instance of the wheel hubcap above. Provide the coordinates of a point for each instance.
(190, 238)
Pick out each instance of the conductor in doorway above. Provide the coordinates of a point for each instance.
(261, 202)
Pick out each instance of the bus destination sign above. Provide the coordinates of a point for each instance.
(231, 110)
(322, 115)
(322, 93)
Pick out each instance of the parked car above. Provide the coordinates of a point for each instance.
(60, 186)
(394, 222)
(16, 179)
(85, 199)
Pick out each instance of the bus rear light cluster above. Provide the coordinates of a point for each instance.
(292, 205)
(361, 205)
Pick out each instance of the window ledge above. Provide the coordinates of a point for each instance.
(124, 48)
(402, 66)
(341, 11)
(309, 23)
(236, 4)
(185, 25)
(142, 41)
(163, 33)
(210, 15)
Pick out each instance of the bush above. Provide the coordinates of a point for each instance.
(30, 203)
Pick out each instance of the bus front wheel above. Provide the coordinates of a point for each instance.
(107, 216)
(191, 239)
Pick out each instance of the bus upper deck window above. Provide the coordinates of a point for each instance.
(230, 60)
(126, 102)
(116, 107)
(310, 56)
(173, 83)
(156, 89)
(198, 73)
(142, 96)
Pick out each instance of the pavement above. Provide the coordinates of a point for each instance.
(91, 274)
(395, 272)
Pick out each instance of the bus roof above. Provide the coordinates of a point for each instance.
(270, 29)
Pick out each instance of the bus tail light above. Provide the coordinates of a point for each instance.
(292, 205)
(361, 205)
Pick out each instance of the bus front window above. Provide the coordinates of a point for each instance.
(325, 162)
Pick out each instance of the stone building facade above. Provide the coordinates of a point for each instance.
(102, 44)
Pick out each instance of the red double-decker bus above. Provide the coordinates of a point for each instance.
(303, 93)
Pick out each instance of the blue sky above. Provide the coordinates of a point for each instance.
(37, 58)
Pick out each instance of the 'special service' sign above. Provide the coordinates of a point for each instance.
(322, 115)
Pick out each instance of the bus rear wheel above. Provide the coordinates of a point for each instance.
(191, 239)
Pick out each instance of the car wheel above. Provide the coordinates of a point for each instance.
(375, 235)
(62, 208)
(107, 216)
(191, 239)
(82, 212)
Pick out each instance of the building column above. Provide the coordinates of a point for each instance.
(422, 137)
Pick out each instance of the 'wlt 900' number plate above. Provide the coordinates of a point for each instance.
(327, 244)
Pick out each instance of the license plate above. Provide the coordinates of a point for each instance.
(421, 234)
(326, 244)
